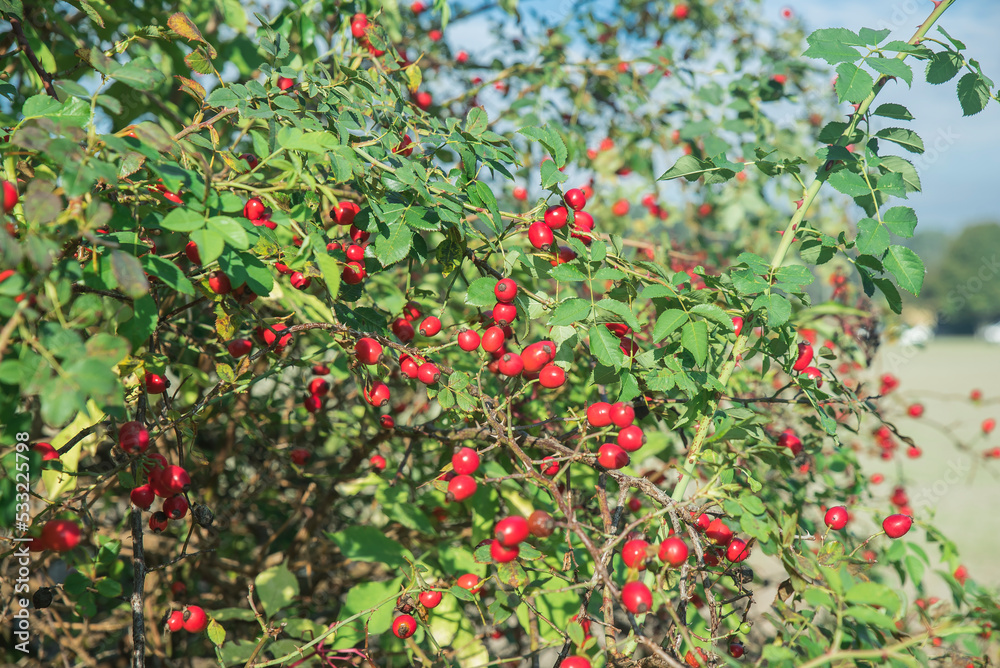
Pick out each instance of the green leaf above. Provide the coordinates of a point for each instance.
(168, 272)
(40, 105)
(873, 593)
(231, 231)
(367, 543)
(606, 347)
(908, 139)
(894, 111)
(905, 168)
(108, 588)
(551, 140)
(691, 169)
(833, 45)
(849, 183)
(222, 97)
(901, 221)
(873, 238)
(393, 244)
(277, 588)
(942, 67)
(869, 616)
(778, 309)
(853, 83)
(668, 321)
(892, 67)
(694, 338)
(480, 292)
(907, 267)
(715, 314)
(973, 94)
(183, 220)
(331, 271)
(567, 273)
(216, 633)
(570, 311)
(210, 245)
(551, 174)
(476, 121)
(139, 73)
(142, 324)
(620, 309)
(129, 274)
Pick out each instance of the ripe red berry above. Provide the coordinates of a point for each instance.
(155, 383)
(989, 424)
(737, 324)
(460, 488)
(318, 387)
(377, 394)
(501, 554)
(551, 376)
(408, 366)
(254, 209)
(805, 356)
(789, 440)
(504, 314)
(10, 196)
(735, 649)
(470, 581)
(423, 99)
(158, 521)
(915, 410)
(312, 403)
(175, 622)
(219, 283)
(511, 530)
(299, 281)
(270, 335)
(191, 250)
(540, 236)
(520, 192)
(737, 550)
(47, 451)
(404, 626)
(511, 364)
(681, 12)
(142, 496)
(428, 373)
(896, 526)
(599, 414)
(377, 462)
(505, 291)
(430, 599)
(430, 326)
(541, 524)
(170, 480)
(575, 199)
(133, 437)
(631, 438)
(673, 551)
(359, 25)
(634, 553)
(493, 339)
(637, 598)
(387, 421)
(353, 273)
(175, 507)
(622, 414)
(240, 347)
(719, 531)
(403, 329)
(556, 217)
(611, 456)
(61, 535)
(468, 340)
(549, 466)
(836, 518)
(299, 456)
(344, 213)
(368, 350)
(576, 661)
(465, 461)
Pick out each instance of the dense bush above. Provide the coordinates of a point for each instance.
(349, 346)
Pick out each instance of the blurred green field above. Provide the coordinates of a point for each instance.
(958, 487)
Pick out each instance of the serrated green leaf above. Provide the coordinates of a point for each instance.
(908, 139)
(277, 588)
(942, 67)
(480, 292)
(606, 347)
(779, 310)
(906, 266)
(901, 221)
(853, 83)
(569, 312)
(895, 111)
(892, 67)
(694, 339)
(833, 45)
(231, 231)
(393, 242)
(849, 183)
(873, 238)
(620, 309)
(973, 94)
(668, 321)
(168, 272)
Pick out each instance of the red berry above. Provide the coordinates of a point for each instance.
(368, 350)
(915, 410)
(556, 216)
(737, 324)
(465, 461)
(549, 466)
(270, 335)
(575, 199)
(493, 339)
(540, 236)
(133, 437)
(344, 213)
(408, 366)
(501, 554)
(300, 281)
(622, 414)
(551, 376)
(318, 387)
(504, 314)
(719, 531)
(219, 283)
(505, 290)
(634, 553)
(359, 25)
(989, 424)
(284, 83)
(158, 522)
(47, 451)
(240, 347)
(377, 462)
(175, 507)
(170, 480)
(836, 518)
(804, 357)
(599, 414)
(353, 273)
(611, 456)
(155, 383)
(191, 250)
(10, 196)
(511, 364)
(737, 550)
(299, 456)
(61, 535)
(403, 329)
(735, 649)
(576, 661)
(631, 438)
(470, 581)
(430, 599)
(424, 100)
(430, 326)
(377, 394)
(312, 403)
(195, 619)
(254, 209)
(175, 622)
(976, 395)
(789, 440)
(404, 626)
(637, 598)
(673, 551)
(541, 524)
(511, 530)
(468, 340)
(428, 373)
(387, 422)
(896, 526)
(142, 496)
(461, 487)
(537, 355)
(681, 12)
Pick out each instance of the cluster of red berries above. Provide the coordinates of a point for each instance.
(541, 233)
(630, 436)
(58, 535)
(404, 624)
(192, 619)
(167, 481)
